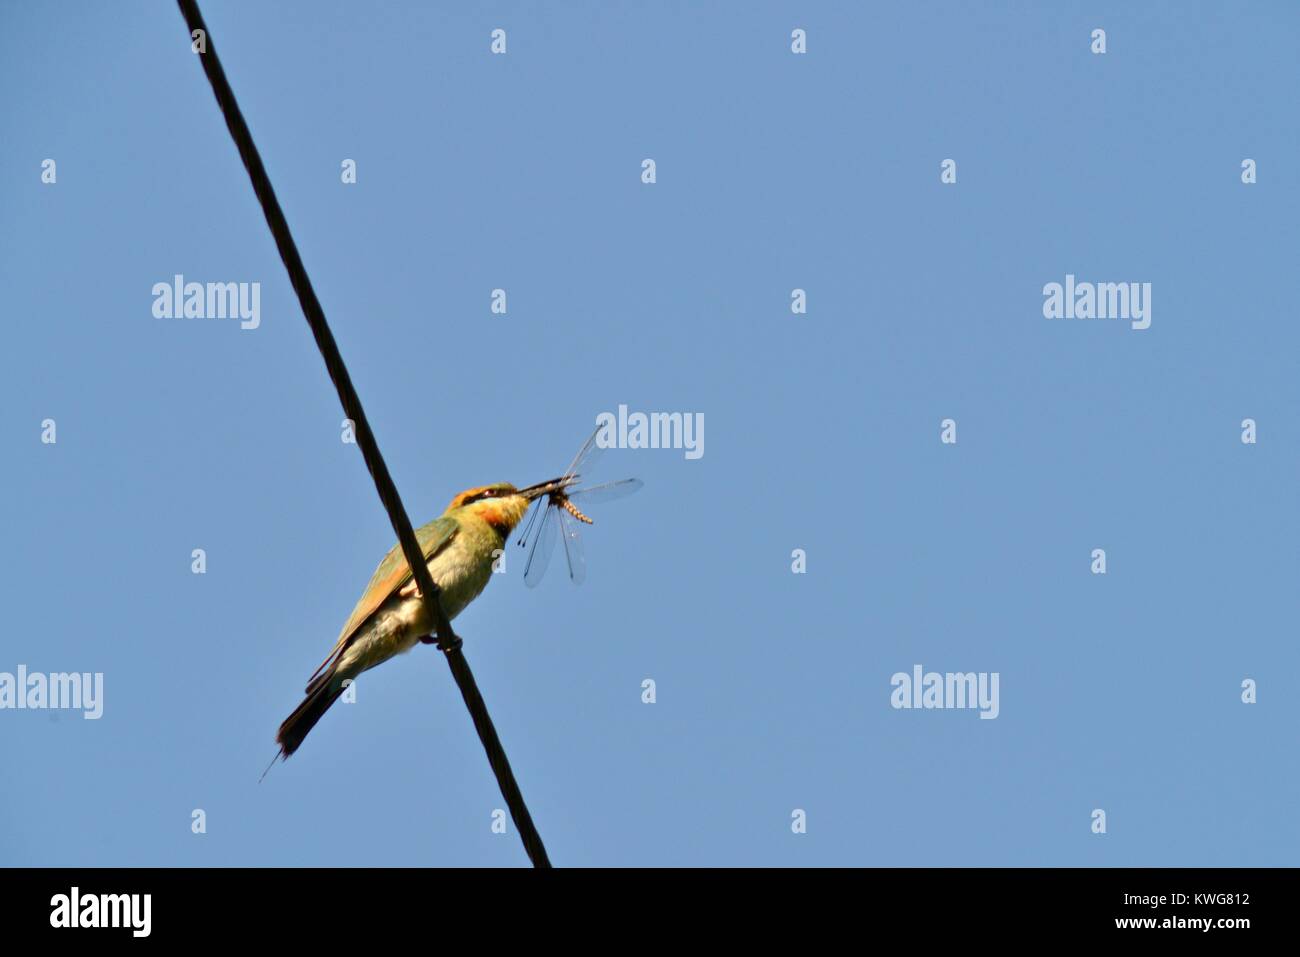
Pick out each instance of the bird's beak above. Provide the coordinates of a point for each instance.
(542, 488)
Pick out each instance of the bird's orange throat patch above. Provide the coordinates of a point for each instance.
(503, 514)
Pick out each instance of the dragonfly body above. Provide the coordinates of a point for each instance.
(559, 498)
(560, 512)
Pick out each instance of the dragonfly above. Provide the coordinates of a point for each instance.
(558, 510)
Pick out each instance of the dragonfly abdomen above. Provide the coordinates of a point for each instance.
(574, 511)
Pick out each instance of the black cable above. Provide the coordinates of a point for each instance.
(338, 372)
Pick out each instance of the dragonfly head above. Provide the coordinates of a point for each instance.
(545, 488)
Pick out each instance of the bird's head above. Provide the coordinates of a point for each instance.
(500, 505)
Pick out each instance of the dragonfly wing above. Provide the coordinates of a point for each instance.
(540, 554)
(586, 457)
(537, 509)
(606, 492)
(573, 547)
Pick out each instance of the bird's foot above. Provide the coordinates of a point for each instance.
(433, 640)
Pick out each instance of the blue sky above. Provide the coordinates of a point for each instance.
(775, 171)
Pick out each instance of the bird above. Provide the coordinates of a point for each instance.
(460, 547)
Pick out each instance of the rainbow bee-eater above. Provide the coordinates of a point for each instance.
(460, 548)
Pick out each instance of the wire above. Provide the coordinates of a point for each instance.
(338, 372)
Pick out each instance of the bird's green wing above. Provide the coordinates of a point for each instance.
(391, 575)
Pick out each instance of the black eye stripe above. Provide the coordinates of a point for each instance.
(479, 496)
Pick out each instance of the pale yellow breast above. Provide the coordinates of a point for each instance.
(462, 570)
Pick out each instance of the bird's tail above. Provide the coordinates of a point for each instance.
(321, 693)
